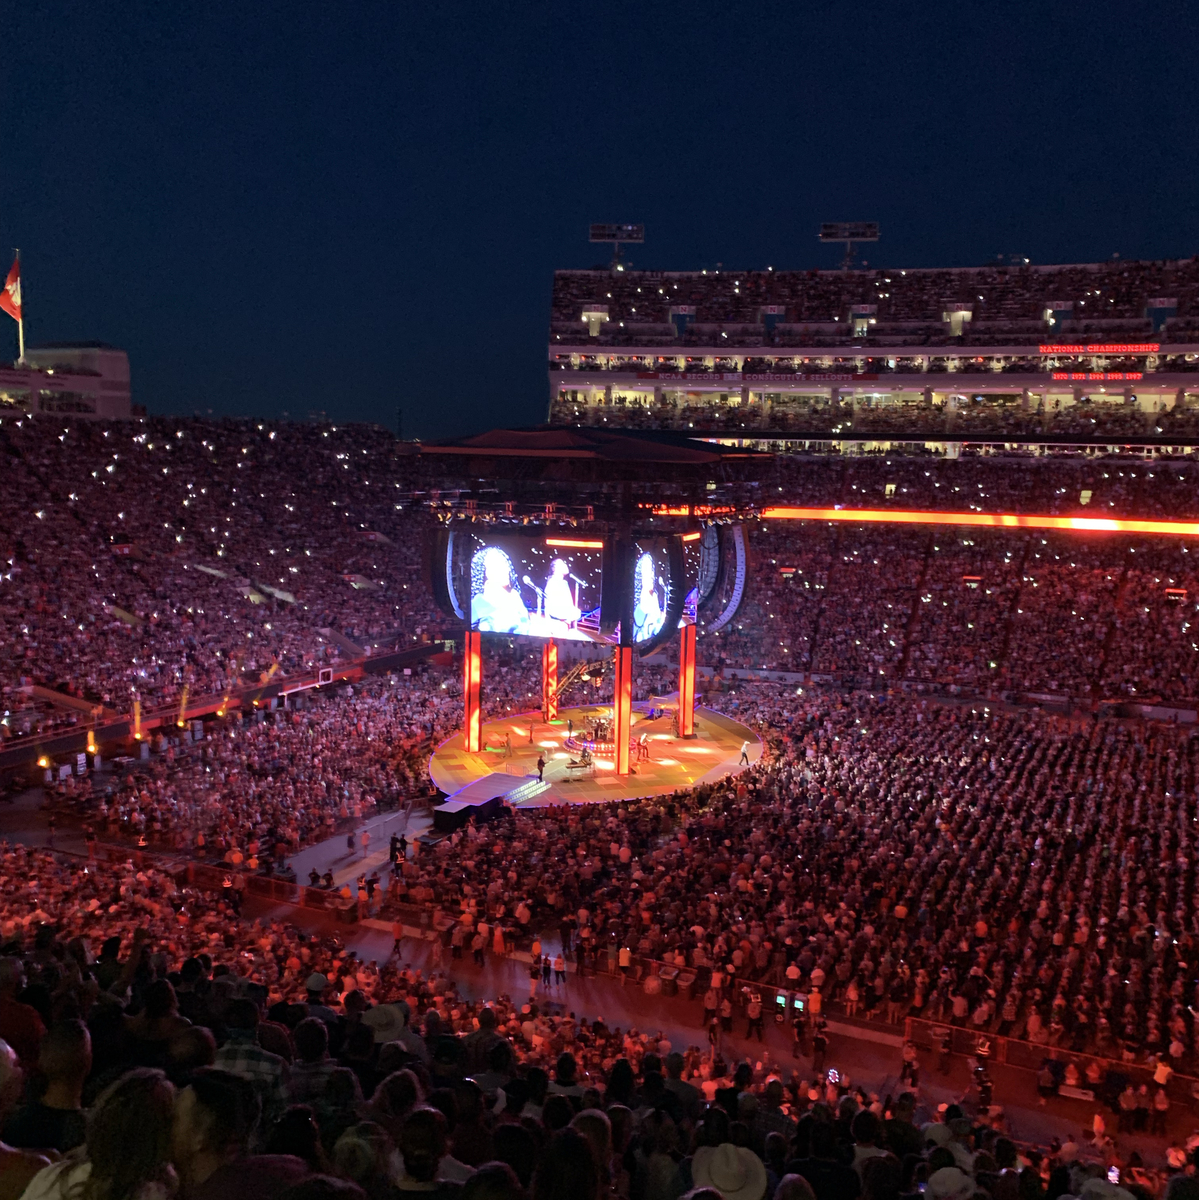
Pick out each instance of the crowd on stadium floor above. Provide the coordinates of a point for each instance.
(263, 785)
(948, 862)
(891, 857)
(1014, 854)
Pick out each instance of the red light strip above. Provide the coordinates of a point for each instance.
(1003, 520)
(574, 543)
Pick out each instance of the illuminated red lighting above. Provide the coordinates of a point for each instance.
(623, 707)
(691, 537)
(1104, 348)
(472, 675)
(1004, 520)
(574, 543)
(687, 681)
(689, 510)
(549, 680)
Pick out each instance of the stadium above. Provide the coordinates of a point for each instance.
(1068, 354)
(816, 690)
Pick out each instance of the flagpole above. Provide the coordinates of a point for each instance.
(21, 318)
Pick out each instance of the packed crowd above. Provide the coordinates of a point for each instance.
(175, 611)
(1007, 302)
(197, 1056)
(162, 554)
(146, 566)
(981, 415)
(983, 611)
(263, 785)
(889, 858)
(955, 863)
(1004, 871)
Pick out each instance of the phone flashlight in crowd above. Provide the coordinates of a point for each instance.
(1113, 1174)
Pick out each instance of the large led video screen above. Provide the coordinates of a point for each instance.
(544, 586)
(658, 589)
(692, 553)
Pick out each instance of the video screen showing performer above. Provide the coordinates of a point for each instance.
(529, 587)
(691, 557)
(649, 598)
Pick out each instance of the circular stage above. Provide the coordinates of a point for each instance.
(673, 763)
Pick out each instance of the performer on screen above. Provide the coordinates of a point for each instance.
(648, 616)
(497, 607)
(559, 601)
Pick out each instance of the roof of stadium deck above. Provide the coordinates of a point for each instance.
(613, 446)
(586, 473)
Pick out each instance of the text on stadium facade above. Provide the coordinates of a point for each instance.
(745, 377)
(1098, 375)
(1104, 348)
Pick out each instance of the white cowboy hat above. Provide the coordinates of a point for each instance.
(937, 1131)
(386, 1020)
(949, 1183)
(735, 1172)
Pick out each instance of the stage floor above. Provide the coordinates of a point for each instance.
(674, 763)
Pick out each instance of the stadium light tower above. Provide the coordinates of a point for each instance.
(849, 232)
(618, 235)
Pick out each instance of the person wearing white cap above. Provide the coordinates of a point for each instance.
(734, 1171)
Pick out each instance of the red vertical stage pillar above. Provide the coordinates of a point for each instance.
(472, 676)
(687, 681)
(549, 680)
(622, 707)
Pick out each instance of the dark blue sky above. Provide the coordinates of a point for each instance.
(295, 207)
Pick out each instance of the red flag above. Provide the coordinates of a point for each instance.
(10, 298)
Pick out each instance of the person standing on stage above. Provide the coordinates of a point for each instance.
(559, 602)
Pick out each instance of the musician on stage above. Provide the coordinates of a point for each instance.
(559, 601)
(648, 617)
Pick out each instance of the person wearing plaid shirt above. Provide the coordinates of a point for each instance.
(242, 1055)
(309, 1074)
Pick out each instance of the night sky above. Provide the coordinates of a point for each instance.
(290, 208)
